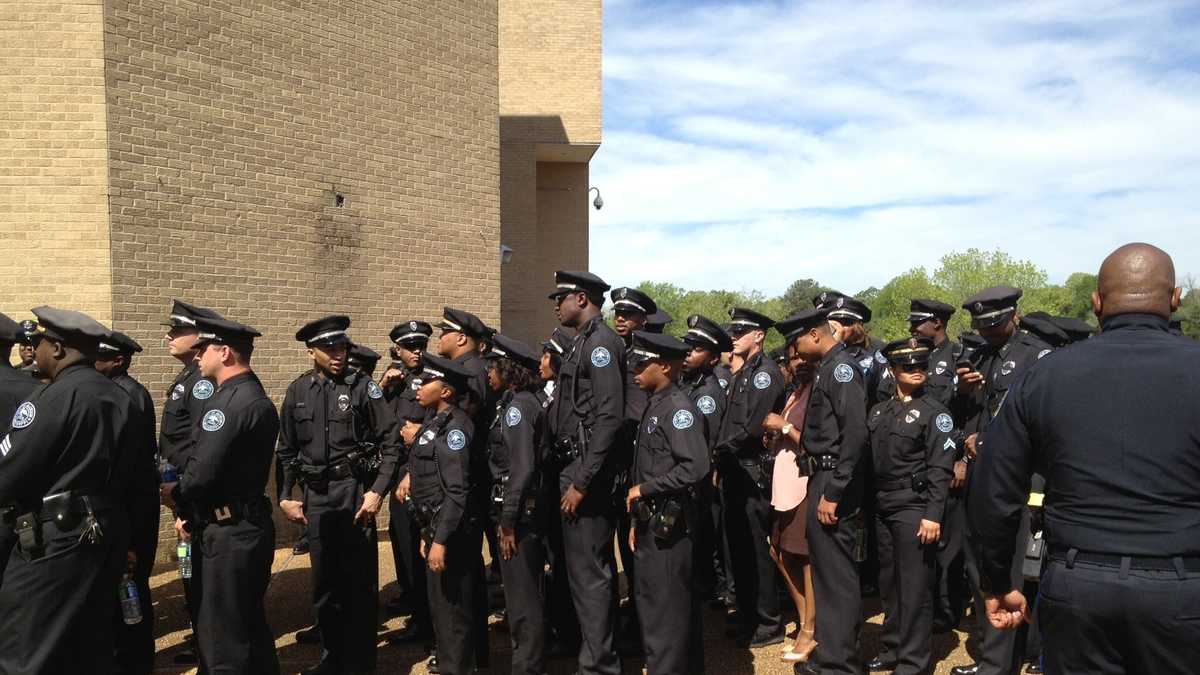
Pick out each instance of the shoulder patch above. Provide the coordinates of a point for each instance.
(944, 423)
(843, 373)
(202, 389)
(456, 440)
(1044, 352)
(601, 357)
(213, 420)
(513, 417)
(762, 380)
(177, 392)
(24, 416)
(373, 390)
(707, 404)
(683, 420)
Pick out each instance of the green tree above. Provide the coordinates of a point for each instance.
(800, 294)
(889, 308)
(1189, 308)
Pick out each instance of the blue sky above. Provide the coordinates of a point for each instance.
(750, 144)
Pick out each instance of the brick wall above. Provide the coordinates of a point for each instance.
(53, 214)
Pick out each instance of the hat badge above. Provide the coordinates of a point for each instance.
(412, 325)
(978, 307)
(824, 297)
(621, 294)
(841, 302)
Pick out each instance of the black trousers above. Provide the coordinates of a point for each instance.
(835, 584)
(748, 526)
(1000, 651)
(588, 547)
(7, 541)
(452, 598)
(905, 574)
(563, 623)
(523, 596)
(231, 567)
(345, 569)
(668, 603)
(405, 534)
(56, 611)
(1098, 621)
(949, 584)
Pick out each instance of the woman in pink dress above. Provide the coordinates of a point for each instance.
(789, 489)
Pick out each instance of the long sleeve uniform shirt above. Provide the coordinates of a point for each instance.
(515, 449)
(671, 453)
(914, 436)
(756, 390)
(836, 420)
(705, 390)
(440, 466)
(186, 401)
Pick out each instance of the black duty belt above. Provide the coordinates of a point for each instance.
(893, 485)
(824, 462)
(233, 512)
(1168, 564)
(62, 506)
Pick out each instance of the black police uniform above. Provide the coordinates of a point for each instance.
(584, 422)
(1111, 423)
(1001, 367)
(135, 643)
(187, 396)
(29, 328)
(440, 465)
(15, 388)
(65, 466)
(672, 458)
(756, 390)
(223, 484)
(913, 457)
(338, 440)
(835, 435)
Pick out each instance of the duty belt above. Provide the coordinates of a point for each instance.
(232, 512)
(69, 511)
(824, 462)
(1165, 563)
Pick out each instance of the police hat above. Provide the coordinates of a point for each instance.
(1076, 329)
(650, 346)
(10, 331)
(117, 342)
(825, 299)
(657, 322)
(566, 282)
(504, 347)
(632, 300)
(558, 342)
(742, 320)
(992, 306)
(921, 309)
(184, 315)
(224, 332)
(362, 357)
(411, 334)
(325, 332)
(29, 329)
(910, 351)
(69, 327)
(705, 333)
(801, 322)
(1043, 326)
(436, 367)
(462, 321)
(847, 310)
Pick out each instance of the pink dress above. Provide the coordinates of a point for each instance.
(788, 487)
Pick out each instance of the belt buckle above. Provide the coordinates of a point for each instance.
(222, 514)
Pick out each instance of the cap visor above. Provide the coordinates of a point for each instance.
(991, 321)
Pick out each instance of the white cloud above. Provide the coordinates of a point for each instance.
(750, 145)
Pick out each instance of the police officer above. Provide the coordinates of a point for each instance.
(672, 459)
(520, 496)
(982, 387)
(65, 464)
(181, 412)
(223, 484)
(657, 322)
(707, 341)
(1076, 329)
(15, 388)
(400, 383)
(912, 453)
(757, 389)
(362, 359)
(835, 438)
(440, 466)
(1042, 326)
(135, 643)
(340, 442)
(849, 317)
(585, 421)
(29, 329)
(1111, 423)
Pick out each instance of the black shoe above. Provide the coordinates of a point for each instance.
(411, 634)
(1035, 668)
(308, 636)
(764, 639)
(878, 663)
(323, 668)
(556, 649)
(940, 627)
(972, 669)
(186, 657)
(432, 665)
(301, 547)
(398, 607)
(805, 669)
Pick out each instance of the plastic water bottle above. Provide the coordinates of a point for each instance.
(167, 473)
(131, 605)
(184, 553)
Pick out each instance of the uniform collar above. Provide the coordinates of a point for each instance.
(832, 353)
(658, 396)
(1151, 321)
(238, 379)
(317, 379)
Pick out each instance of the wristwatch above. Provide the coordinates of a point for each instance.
(786, 429)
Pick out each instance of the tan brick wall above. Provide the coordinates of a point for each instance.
(231, 127)
(53, 214)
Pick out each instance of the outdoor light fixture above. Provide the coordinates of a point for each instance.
(598, 202)
(505, 254)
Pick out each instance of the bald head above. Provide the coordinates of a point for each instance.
(1136, 279)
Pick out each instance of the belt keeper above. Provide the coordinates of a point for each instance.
(1126, 563)
(1071, 553)
(1180, 570)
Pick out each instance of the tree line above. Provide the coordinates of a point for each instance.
(957, 276)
